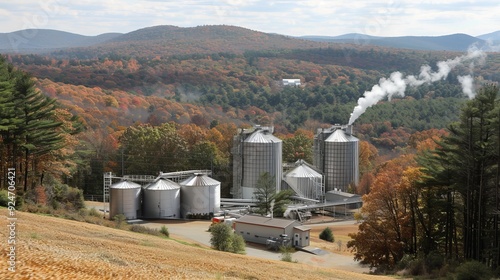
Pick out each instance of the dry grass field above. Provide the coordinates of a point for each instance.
(54, 248)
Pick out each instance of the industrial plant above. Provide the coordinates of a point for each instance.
(321, 185)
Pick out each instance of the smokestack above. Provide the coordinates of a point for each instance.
(348, 129)
(396, 84)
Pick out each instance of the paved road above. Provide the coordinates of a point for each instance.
(196, 231)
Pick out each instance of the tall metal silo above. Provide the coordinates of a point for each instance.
(125, 198)
(336, 154)
(200, 194)
(255, 152)
(162, 199)
(305, 181)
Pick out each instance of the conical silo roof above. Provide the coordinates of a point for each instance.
(340, 136)
(260, 136)
(199, 180)
(303, 171)
(162, 184)
(125, 185)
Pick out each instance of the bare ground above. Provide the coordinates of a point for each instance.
(54, 248)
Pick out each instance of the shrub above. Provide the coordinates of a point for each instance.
(223, 239)
(119, 220)
(473, 270)
(286, 253)
(145, 230)
(164, 231)
(95, 213)
(238, 244)
(327, 235)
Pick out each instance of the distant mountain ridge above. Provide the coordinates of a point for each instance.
(168, 39)
(43, 40)
(453, 42)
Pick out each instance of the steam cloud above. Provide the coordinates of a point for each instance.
(396, 84)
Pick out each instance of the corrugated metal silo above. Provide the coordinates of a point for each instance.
(125, 198)
(261, 152)
(305, 181)
(162, 199)
(200, 194)
(340, 163)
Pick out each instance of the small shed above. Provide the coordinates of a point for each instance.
(259, 229)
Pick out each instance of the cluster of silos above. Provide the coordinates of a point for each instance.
(255, 152)
(305, 181)
(200, 194)
(161, 199)
(336, 155)
(165, 199)
(125, 199)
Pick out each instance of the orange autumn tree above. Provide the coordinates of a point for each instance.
(384, 236)
(400, 215)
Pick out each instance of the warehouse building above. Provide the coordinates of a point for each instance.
(259, 229)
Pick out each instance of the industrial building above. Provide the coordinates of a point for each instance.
(187, 194)
(258, 229)
(291, 82)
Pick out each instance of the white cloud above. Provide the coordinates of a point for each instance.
(301, 17)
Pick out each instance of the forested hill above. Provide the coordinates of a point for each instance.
(161, 41)
(45, 40)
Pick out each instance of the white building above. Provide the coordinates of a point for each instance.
(258, 229)
(291, 82)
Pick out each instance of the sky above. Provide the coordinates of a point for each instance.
(287, 17)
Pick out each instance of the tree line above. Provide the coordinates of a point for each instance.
(36, 135)
(439, 204)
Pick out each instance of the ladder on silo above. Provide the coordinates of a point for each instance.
(108, 181)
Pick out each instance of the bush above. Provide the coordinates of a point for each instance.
(286, 253)
(238, 244)
(164, 231)
(473, 270)
(223, 239)
(119, 220)
(95, 213)
(145, 230)
(327, 235)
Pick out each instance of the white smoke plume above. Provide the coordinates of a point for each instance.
(396, 85)
(467, 85)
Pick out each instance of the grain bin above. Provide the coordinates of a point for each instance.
(305, 181)
(200, 195)
(125, 198)
(255, 152)
(336, 154)
(161, 199)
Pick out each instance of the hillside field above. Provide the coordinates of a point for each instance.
(54, 248)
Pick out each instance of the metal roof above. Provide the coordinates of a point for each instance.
(303, 171)
(125, 185)
(162, 184)
(198, 180)
(260, 136)
(340, 136)
(266, 221)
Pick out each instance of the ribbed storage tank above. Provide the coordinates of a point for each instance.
(162, 199)
(200, 194)
(261, 152)
(340, 163)
(125, 198)
(305, 181)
